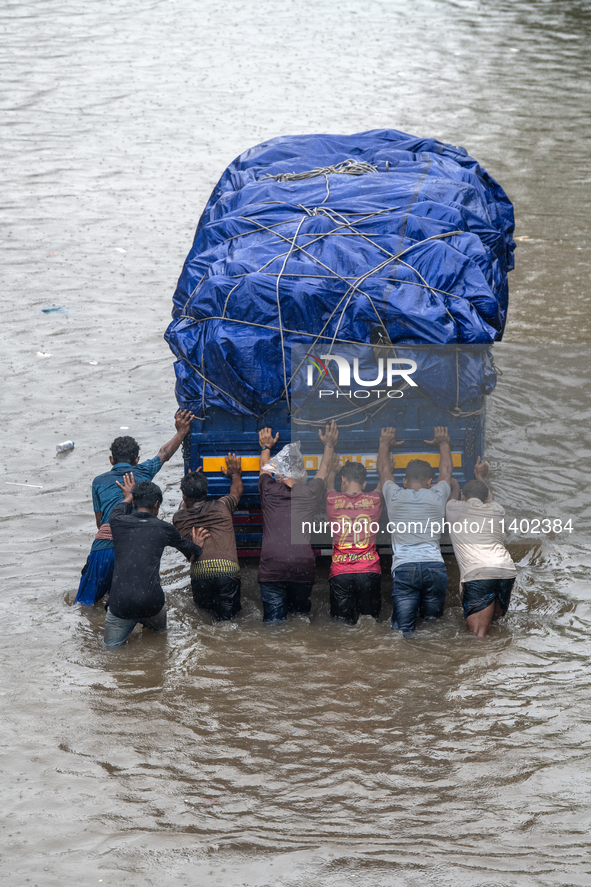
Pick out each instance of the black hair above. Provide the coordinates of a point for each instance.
(418, 469)
(146, 494)
(475, 489)
(354, 471)
(125, 449)
(194, 486)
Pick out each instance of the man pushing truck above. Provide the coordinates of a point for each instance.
(416, 512)
(287, 564)
(355, 578)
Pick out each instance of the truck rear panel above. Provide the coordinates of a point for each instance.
(222, 432)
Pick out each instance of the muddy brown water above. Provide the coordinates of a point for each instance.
(309, 753)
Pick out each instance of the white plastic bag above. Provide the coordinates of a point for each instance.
(288, 462)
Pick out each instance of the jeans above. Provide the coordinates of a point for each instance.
(218, 594)
(417, 588)
(355, 594)
(481, 593)
(281, 598)
(117, 630)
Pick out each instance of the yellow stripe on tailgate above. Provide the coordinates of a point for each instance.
(214, 464)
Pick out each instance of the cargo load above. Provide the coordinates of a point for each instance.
(315, 240)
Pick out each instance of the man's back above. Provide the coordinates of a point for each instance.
(354, 549)
(284, 512)
(106, 493)
(139, 539)
(477, 536)
(216, 516)
(413, 512)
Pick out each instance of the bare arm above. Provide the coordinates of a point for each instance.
(441, 439)
(329, 439)
(481, 473)
(266, 441)
(380, 485)
(233, 470)
(386, 462)
(182, 423)
(455, 489)
(332, 472)
(97, 517)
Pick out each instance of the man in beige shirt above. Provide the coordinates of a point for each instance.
(487, 572)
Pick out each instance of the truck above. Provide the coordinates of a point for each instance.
(318, 253)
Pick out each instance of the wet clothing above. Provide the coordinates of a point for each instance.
(220, 594)
(215, 576)
(354, 544)
(355, 594)
(118, 630)
(97, 574)
(481, 593)
(281, 598)
(478, 542)
(417, 589)
(220, 546)
(286, 554)
(139, 539)
(414, 540)
(106, 494)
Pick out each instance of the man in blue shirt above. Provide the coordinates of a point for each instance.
(106, 494)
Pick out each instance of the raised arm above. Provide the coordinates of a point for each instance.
(266, 441)
(380, 484)
(233, 470)
(455, 489)
(481, 473)
(332, 472)
(182, 423)
(329, 439)
(385, 462)
(442, 440)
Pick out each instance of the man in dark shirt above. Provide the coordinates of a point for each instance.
(97, 573)
(139, 539)
(215, 576)
(287, 564)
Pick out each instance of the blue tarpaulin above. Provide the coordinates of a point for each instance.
(316, 240)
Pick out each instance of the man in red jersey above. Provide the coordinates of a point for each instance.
(355, 576)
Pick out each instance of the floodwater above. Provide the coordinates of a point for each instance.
(310, 753)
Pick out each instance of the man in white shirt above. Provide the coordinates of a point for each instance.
(487, 572)
(416, 513)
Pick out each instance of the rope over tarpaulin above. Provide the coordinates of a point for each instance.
(316, 240)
